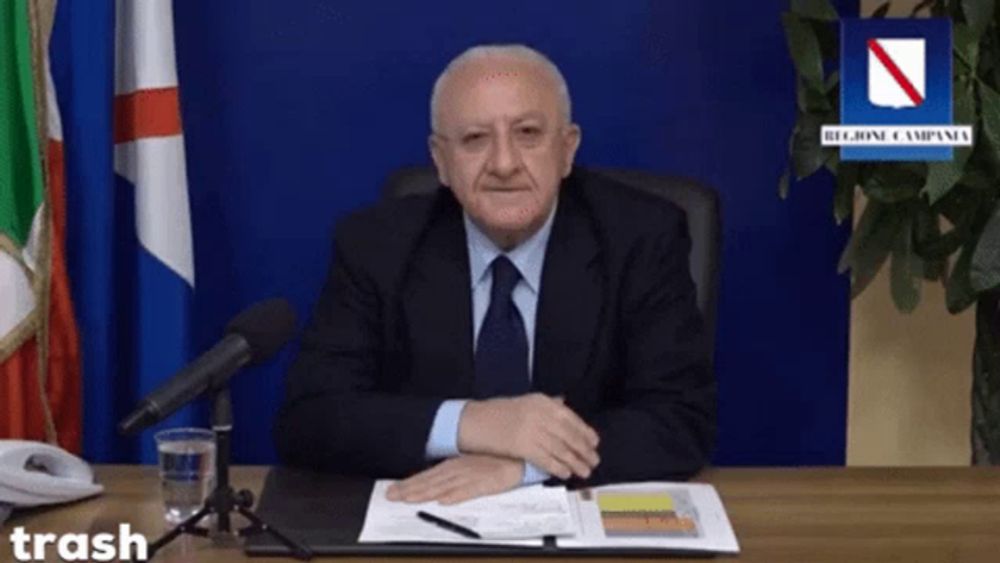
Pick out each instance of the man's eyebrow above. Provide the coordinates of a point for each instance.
(473, 125)
(529, 115)
(516, 119)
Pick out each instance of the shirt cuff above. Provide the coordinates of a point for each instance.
(443, 439)
(533, 474)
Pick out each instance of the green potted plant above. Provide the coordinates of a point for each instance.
(932, 222)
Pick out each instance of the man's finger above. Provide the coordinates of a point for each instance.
(567, 432)
(566, 455)
(409, 489)
(561, 415)
(415, 479)
(419, 481)
(573, 422)
(592, 458)
(465, 491)
(579, 443)
(395, 490)
(550, 463)
(432, 490)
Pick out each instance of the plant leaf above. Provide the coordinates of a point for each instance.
(959, 207)
(828, 37)
(978, 14)
(832, 81)
(870, 217)
(894, 182)
(843, 196)
(990, 104)
(977, 178)
(920, 6)
(870, 243)
(905, 272)
(833, 162)
(810, 100)
(935, 269)
(984, 271)
(803, 46)
(928, 242)
(990, 70)
(958, 289)
(815, 9)
(964, 110)
(881, 11)
(966, 45)
(807, 152)
(986, 383)
(943, 246)
(943, 175)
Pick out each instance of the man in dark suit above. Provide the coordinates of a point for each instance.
(528, 321)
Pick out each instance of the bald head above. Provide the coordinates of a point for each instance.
(484, 58)
(502, 138)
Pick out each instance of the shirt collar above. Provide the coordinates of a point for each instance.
(528, 257)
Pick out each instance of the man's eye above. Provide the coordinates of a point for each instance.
(473, 138)
(528, 135)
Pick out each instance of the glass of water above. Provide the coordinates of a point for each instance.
(187, 470)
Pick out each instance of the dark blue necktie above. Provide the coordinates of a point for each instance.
(502, 348)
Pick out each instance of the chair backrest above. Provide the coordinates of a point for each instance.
(699, 202)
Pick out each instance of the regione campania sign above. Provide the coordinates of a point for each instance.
(895, 92)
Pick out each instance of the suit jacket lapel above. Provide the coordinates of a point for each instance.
(569, 305)
(438, 305)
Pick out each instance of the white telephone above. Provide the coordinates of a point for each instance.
(33, 474)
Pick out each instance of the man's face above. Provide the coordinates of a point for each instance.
(503, 145)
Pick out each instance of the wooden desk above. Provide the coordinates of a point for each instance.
(856, 515)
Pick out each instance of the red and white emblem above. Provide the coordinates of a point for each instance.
(896, 72)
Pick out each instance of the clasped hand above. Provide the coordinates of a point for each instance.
(496, 437)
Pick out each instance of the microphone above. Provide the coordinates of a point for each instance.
(252, 337)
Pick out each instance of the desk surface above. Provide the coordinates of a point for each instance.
(819, 515)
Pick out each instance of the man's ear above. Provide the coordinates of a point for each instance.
(571, 142)
(437, 155)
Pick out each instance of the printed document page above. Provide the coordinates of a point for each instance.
(520, 517)
(651, 515)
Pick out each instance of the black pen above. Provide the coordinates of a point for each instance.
(450, 526)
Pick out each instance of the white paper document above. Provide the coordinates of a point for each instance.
(648, 516)
(521, 517)
(653, 515)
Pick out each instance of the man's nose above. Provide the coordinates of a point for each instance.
(505, 160)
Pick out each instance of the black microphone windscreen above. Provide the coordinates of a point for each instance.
(266, 326)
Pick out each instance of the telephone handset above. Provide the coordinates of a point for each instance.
(34, 473)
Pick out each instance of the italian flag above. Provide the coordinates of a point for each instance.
(40, 387)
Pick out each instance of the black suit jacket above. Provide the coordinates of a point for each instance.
(618, 334)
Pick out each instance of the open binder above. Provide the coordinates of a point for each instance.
(327, 512)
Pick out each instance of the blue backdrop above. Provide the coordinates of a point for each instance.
(296, 111)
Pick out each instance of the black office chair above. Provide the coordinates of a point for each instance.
(700, 202)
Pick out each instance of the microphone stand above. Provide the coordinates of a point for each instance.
(223, 500)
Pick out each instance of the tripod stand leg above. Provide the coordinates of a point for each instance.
(259, 526)
(186, 527)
